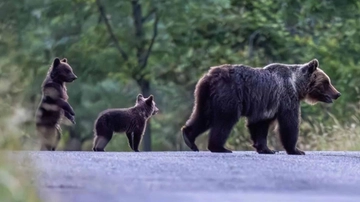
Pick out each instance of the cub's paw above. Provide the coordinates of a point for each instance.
(71, 111)
(72, 119)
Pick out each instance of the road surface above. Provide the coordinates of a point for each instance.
(196, 176)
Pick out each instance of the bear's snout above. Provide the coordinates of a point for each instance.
(73, 78)
(156, 110)
(336, 96)
(333, 93)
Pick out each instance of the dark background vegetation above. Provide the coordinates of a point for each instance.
(161, 47)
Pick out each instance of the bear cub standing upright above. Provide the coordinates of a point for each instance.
(131, 120)
(262, 95)
(54, 104)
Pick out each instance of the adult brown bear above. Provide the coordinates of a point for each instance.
(262, 95)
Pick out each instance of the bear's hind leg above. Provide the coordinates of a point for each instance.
(199, 120)
(192, 131)
(101, 139)
(220, 131)
(100, 143)
(57, 138)
(259, 132)
(48, 137)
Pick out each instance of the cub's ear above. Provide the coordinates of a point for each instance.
(56, 62)
(64, 60)
(139, 98)
(149, 100)
(310, 67)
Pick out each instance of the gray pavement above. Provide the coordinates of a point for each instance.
(196, 176)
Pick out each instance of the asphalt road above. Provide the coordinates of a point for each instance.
(196, 177)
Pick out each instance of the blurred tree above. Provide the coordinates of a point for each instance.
(143, 48)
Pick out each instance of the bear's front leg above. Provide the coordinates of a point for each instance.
(66, 106)
(289, 130)
(70, 117)
(130, 136)
(136, 137)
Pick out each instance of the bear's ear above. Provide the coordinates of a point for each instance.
(56, 62)
(64, 60)
(139, 98)
(310, 67)
(149, 100)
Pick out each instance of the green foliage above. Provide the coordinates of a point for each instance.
(191, 37)
(15, 184)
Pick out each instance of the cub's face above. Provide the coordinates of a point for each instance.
(148, 103)
(320, 88)
(155, 109)
(62, 71)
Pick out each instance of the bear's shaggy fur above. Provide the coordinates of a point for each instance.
(131, 120)
(54, 104)
(262, 95)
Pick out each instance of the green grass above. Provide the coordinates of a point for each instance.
(15, 175)
(15, 184)
(314, 135)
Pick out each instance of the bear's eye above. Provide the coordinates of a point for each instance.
(67, 71)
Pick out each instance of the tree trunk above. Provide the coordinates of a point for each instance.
(146, 142)
(142, 53)
(142, 56)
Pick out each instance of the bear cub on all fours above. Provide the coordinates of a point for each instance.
(262, 95)
(54, 104)
(131, 120)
